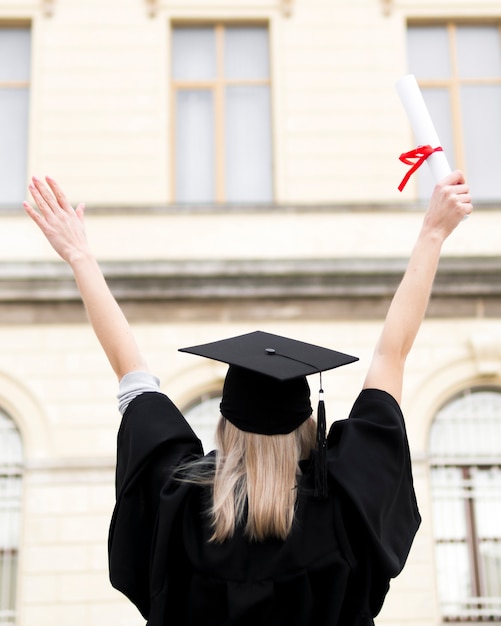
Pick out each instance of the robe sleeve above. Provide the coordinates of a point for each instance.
(154, 438)
(369, 459)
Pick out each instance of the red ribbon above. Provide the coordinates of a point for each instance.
(416, 158)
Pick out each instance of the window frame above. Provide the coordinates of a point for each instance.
(217, 87)
(19, 84)
(454, 83)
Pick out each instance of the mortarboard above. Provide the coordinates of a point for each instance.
(265, 389)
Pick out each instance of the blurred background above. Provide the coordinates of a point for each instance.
(239, 163)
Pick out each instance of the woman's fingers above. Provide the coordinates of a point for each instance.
(42, 204)
(33, 213)
(42, 196)
(80, 210)
(58, 194)
(48, 197)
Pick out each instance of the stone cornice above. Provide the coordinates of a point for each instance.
(382, 207)
(213, 280)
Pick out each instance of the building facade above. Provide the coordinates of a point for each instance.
(239, 163)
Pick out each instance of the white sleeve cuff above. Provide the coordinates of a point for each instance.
(134, 384)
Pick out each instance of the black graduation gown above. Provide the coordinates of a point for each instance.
(334, 568)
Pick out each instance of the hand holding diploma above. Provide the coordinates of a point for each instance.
(450, 203)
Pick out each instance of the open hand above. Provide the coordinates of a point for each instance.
(62, 225)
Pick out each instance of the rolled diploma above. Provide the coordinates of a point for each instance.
(422, 125)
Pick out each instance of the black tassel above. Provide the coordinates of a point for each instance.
(320, 461)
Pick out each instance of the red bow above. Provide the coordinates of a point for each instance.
(416, 158)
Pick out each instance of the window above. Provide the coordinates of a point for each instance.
(458, 68)
(10, 505)
(465, 457)
(203, 415)
(222, 114)
(14, 90)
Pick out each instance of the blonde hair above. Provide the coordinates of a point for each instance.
(255, 480)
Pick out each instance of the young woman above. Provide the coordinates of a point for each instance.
(244, 535)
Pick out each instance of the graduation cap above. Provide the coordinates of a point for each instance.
(265, 389)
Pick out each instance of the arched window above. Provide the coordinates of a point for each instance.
(11, 463)
(203, 415)
(465, 455)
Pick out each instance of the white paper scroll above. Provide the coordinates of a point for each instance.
(422, 124)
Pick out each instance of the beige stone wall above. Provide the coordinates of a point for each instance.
(100, 123)
(252, 235)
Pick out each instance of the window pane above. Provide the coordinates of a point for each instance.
(248, 144)
(428, 52)
(490, 560)
(246, 55)
(439, 106)
(448, 503)
(14, 145)
(194, 53)
(195, 170)
(487, 493)
(453, 575)
(468, 426)
(482, 137)
(14, 54)
(10, 498)
(203, 418)
(8, 576)
(479, 51)
(10, 505)
(10, 443)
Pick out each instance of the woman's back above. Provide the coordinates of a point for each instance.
(298, 581)
(332, 570)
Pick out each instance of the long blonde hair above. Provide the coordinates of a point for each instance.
(255, 480)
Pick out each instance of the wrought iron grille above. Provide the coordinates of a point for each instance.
(465, 456)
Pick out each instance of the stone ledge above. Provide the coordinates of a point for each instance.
(209, 280)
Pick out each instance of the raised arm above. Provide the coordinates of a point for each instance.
(450, 202)
(64, 228)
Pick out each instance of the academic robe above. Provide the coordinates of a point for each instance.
(334, 568)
